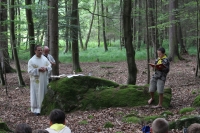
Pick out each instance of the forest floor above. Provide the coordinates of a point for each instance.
(15, 108)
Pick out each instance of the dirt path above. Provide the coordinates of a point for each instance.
(15, 108)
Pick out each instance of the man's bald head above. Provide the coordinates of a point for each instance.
(46, 50)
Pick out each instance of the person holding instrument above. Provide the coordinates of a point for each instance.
(161, 68)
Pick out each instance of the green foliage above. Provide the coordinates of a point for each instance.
(185, 110)
(90, 117)
(83, 122)
(197, 101)
(166, 113)
(86, 93)
(108, 125)
(131, 119)
(4, 128)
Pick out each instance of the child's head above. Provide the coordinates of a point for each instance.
(161, 52)
(160, 125)
(194, 128)
(57, 116)
(23, 128)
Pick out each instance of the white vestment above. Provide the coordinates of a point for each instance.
(38, 81)
(51, 59)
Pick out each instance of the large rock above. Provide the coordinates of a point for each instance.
(87, 93)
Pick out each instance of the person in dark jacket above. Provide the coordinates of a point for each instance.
(159, 77)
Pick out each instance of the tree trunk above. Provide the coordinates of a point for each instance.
(74, 32)
(30, 27)
(153, 37)
(128, 37)
(104, 26)
(4, 38)
(19, 25)
(79, 33)
(147, 43)
(121, 25)
(173, 42)
(91, 23)
(53, 34)
(98, 12)
(13, 43)
(139, 26)
(67, 29)
(197, 73)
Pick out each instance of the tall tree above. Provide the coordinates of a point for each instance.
(30, 23)
(4, 58)
(91, 23)
(104, 27)
(53, 34)
(197, 73)
(13, 42)
(98, 22)
(173, 42)
(128, 38)
(74, 32)
(147, 43)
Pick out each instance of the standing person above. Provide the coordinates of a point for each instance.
(159, 77)
(49, 57)
(57, 122)
(38, 68)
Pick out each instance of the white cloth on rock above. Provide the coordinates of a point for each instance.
(38, 81)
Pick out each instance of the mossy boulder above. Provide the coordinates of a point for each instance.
(85, 93)
(184, 122)
(4, 128)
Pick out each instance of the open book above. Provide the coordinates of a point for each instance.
(157, 66)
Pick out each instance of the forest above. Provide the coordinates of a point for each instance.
(112, 39)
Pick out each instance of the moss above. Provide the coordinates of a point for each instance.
(194, 92)
(149, 119)
(197, 101)
(83, 122)
(185, 110)
(166, 113)
(90, 117)
(108, 125)
(86, 93)
(131, 119)
(4, 128)
(184, 122)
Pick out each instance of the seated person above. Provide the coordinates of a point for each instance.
(160, 125)
(40, 131)
(23, 128)
(57, 122)
(194, 128)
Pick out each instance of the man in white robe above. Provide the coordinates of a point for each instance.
(38, 68)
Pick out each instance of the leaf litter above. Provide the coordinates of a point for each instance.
(15, 108)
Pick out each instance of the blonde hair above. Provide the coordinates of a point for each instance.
(194, 128)
(160, 125)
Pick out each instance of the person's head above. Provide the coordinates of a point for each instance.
(160, 125)
(57, 116)
(38, 50)
(40, 131)
(46, 50)
(161, 52)
(194, 128)
(23, 128)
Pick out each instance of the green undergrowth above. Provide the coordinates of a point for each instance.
(196, 102)
(89, 93)
(4, 128)
(108, 125)
(185, 110)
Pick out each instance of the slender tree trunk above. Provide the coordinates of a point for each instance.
(79, 33)
(74, 32)
(53, 34)
(19, 25)
(67, 29)
(173, 42)
(128, 37)
(4, 38)
(99, 30)
(197, 73)
(13, 43)
(135, 37)
(121, 25)
(147, 43)
(30, 27)
(139, 26)
(104, 26)
(91, 23)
